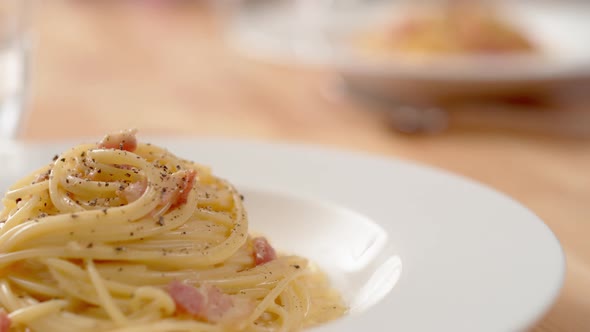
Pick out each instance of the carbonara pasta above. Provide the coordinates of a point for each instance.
(450, 28)
(121, 236)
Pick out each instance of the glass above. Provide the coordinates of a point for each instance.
(14, 25)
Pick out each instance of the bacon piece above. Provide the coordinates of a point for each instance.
(178, 187)
(218, 303)
(207, 303)
(187, 298)
(263, 251)
(133, 191)
(5, 321)
(123, 140)
(187, 184)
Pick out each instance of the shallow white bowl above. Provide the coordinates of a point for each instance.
(410, 247)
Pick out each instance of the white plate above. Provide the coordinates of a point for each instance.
(411, 248)
(303, 30)
(560, 30)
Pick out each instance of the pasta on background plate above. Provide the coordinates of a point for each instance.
(455, 27)
(124, 236)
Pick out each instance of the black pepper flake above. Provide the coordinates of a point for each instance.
(74, 216)
(131, 233)
(106, 184)
(242, 197)
(104, 211)
(119, 249)
(99, 171)
(18, 200)
(83, 154)
(55, 157)
(160, 221)
(62, 160)
(297, 266)
(90, 245)
(183, 232)
(71, 233)
(128, 175)
(120, 269)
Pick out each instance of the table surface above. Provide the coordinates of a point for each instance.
(102, 67)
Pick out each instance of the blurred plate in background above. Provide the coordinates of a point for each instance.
(560, 32)
(328, 33)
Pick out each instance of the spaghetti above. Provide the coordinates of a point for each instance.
(121, 236)
(453, 28)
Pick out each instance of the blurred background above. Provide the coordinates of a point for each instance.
(304, 68)
(498, 91)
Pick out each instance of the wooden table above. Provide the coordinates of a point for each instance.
(99, 68)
